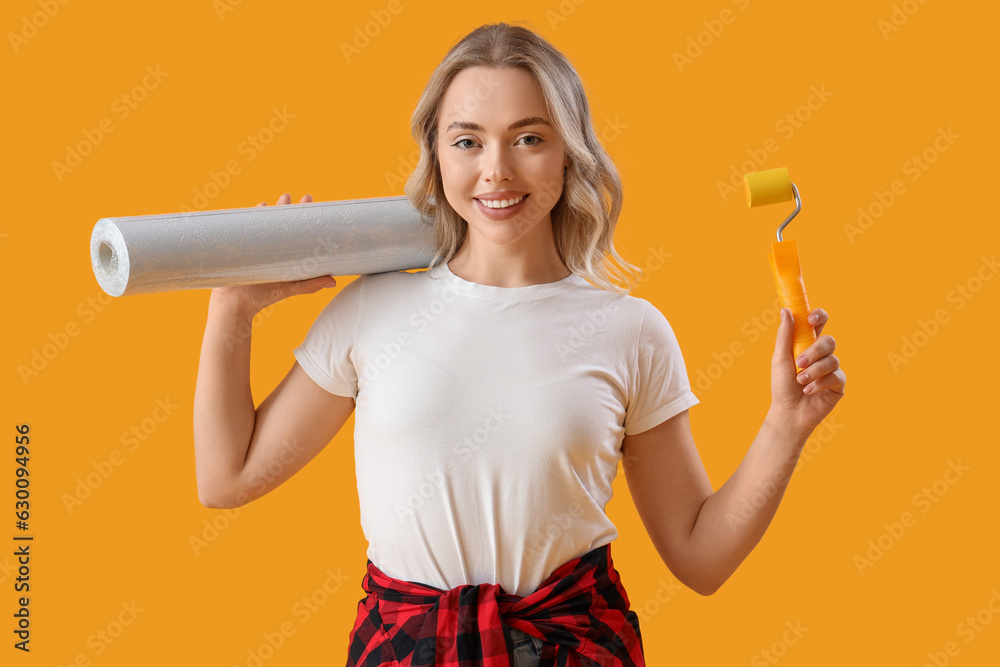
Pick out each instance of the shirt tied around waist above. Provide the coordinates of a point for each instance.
(580, 611)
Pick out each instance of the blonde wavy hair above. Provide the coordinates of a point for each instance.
(586, 213)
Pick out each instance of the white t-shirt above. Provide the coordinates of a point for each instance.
(489, 420)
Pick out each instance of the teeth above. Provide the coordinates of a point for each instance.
(501, 203)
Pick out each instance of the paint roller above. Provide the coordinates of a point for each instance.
(262, 244)
(773, 186)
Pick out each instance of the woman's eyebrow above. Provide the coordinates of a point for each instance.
(524, 122)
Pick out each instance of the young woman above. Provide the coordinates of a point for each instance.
(497, 392)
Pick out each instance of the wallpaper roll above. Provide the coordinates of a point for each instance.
(204, 249)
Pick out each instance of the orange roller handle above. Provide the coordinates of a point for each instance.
(784, 261)
(773, 186)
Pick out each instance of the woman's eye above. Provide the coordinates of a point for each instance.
(458, 144)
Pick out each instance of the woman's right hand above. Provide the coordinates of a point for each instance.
(251, 299)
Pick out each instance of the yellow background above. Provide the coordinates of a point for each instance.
(675, 132)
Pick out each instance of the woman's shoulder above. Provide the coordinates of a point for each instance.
(621, 301)
(391, 286)
(381, 280)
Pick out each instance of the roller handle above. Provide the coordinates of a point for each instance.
(784, 261)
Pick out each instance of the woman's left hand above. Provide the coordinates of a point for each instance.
(804, 400)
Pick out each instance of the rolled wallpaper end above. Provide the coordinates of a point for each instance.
(205, 249)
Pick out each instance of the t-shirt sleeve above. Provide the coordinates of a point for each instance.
(327, 353)
(659, 388)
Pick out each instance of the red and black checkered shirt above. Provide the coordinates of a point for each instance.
(581, 613)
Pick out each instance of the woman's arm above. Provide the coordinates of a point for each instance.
(669, 486)
(700, 535)
(704, 536)
(224, 413)
(242, 453)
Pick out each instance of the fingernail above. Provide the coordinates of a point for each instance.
(814, 318)
(801, 361)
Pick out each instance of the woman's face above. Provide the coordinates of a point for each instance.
(483, 149)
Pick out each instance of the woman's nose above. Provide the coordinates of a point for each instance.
(497, 165)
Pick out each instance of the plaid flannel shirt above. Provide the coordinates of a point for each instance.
(581, 612)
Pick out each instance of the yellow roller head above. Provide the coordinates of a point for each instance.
(771, 186)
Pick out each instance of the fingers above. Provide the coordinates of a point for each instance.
(287, 199)
(308, 286)
(818, 318)
(818, 370)
(823, 346)
(323, 281)
(835, 381)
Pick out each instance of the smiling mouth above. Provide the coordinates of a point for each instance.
(514, 201)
